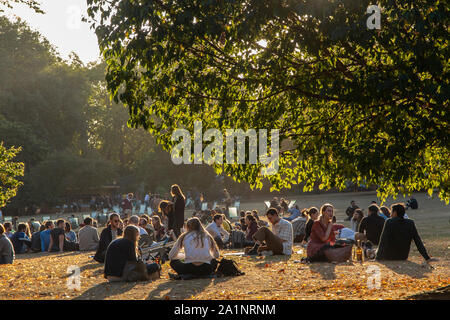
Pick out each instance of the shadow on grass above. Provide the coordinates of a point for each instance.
(105, 290)
(27, 256)
(268, 260)
(409, 268)
(325, 269)
(183, 289)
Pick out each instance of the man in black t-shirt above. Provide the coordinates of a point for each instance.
(57, 236)
(372, 225)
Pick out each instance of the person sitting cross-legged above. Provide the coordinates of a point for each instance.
(216, 230)
(323, 235)
(123, 250)
(278, 241)
(200, 252)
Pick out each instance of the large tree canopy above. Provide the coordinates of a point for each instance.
(33, 4)
(367, 106)
(73, 138)
(9, 172)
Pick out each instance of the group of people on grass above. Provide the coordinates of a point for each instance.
(196, 246)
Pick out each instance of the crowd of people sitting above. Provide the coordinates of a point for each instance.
(196, 243)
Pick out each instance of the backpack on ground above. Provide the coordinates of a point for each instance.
(237, 238)
(228, 268)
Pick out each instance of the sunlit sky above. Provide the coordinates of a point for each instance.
(62, 26)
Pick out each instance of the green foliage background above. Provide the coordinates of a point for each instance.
(359, 105)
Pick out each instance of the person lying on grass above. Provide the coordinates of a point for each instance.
(200, 251)
(123, 251)
(396, 237)
(276, 242)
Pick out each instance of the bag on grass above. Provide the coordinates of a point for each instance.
(228, 268)
(135, 271)
(340, 254)
(237, 239)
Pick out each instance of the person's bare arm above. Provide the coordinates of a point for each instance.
(61, 243)
(50, 245)
(327, 233)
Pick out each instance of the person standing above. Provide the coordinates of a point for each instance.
(227, 200)
(127, 205)
(147, 201)
(179, 201)
(350, 210)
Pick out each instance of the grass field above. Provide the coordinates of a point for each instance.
(44, 276)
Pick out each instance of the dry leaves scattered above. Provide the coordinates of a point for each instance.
(44, 276)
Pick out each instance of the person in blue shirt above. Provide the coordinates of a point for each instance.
(45, 235)
(70, 235)
(20, 240)
(295, 213)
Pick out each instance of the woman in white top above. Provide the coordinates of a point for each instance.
(200, 251)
